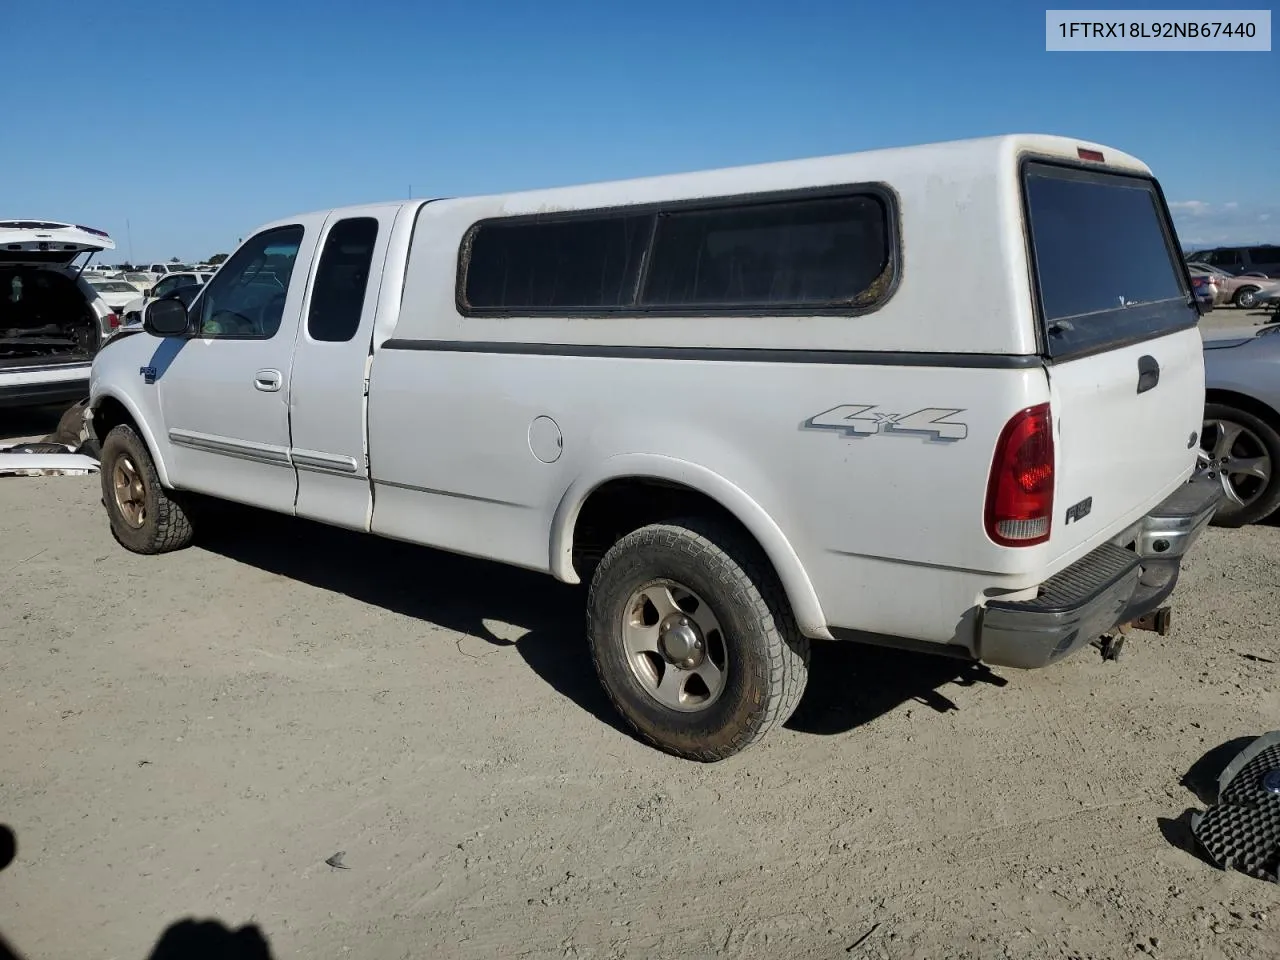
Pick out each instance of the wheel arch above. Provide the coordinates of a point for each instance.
(109, 410)
(689, 484)
(1243, 401)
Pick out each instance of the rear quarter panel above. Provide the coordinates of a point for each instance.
(879, 520)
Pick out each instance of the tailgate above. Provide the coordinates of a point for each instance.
(1120, 451)
(1125, 361)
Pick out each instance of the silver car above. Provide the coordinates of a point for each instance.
(1240, 442)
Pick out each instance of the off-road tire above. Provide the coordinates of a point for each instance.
(768, 658)
(1231, 514)
(166, 525)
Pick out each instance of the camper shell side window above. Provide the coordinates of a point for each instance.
(809, 252)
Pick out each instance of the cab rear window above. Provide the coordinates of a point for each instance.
(1103, 258)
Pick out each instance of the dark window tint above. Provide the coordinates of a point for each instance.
(567, 264)
(1264, 255)
(821, 252)
(1225, 258)
(1105, 266)
(338, 297)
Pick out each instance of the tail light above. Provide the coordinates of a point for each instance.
(112, 321)
(1020, 492)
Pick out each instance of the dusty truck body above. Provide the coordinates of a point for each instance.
(889, 396)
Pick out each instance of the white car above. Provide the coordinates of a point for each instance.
(752, 407)
(114, 293)
(132, 310)
(52, 320)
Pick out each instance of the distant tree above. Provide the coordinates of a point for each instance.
(216, 259)
(174, 260)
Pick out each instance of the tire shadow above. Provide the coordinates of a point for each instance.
(460, 594)
(852, 684)
(454, 592)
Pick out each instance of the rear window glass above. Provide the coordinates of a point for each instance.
(1264, 254)
(1105, 267)
(337, 298)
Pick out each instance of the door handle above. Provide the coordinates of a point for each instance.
(1148, 373)
(268, 381)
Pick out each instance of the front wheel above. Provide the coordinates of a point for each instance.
(1241, 451)
(145, 517)
(693, 639)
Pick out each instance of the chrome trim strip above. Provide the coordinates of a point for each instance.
(240, 449)
(323, 462)
(454, 494)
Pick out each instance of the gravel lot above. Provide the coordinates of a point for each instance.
(193, 735)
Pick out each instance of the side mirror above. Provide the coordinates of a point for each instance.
(165, 318)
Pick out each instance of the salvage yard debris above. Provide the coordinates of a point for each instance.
(42, 459)
(1241, 831)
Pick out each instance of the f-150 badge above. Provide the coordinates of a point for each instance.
(865, 420)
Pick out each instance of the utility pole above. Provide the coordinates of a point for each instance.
(128, 232)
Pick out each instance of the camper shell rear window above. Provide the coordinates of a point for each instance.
(1104, 260)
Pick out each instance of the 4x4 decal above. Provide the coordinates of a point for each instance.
(865, 420)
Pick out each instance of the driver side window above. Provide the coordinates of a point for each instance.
(245, 299)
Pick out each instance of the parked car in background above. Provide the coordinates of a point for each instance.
(1241, 291)
(185, 294)
(114, 293)
(1206, 290)
(1264, 259)
(52, 320)
(1270, 301)
(1240, 441)
(163, 288)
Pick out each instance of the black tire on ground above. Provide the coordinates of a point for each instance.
(767, 657)
(164, 524)
(70, 429)
(1230, 513)
(1245, 298)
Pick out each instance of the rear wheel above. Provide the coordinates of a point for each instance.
(1242, 452)
(1246, 298)
(693, 639)
(145, 517)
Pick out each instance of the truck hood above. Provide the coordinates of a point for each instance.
(1225, 337)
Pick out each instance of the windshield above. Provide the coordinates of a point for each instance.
(113, 286)
(1105, 264)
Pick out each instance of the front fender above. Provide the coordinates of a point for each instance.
(791, 573)
(100, 392)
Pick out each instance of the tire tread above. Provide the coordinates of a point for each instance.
(171, 527)
(748, 580)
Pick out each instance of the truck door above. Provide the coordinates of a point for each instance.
(330, 367)
(224, 393)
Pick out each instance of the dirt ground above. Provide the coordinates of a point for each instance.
(194, 735)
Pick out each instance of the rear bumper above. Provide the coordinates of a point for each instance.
(30, 387)
(1124, 579)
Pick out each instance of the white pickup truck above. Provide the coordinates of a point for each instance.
(943, 397)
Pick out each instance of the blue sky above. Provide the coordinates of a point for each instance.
(196, 122)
